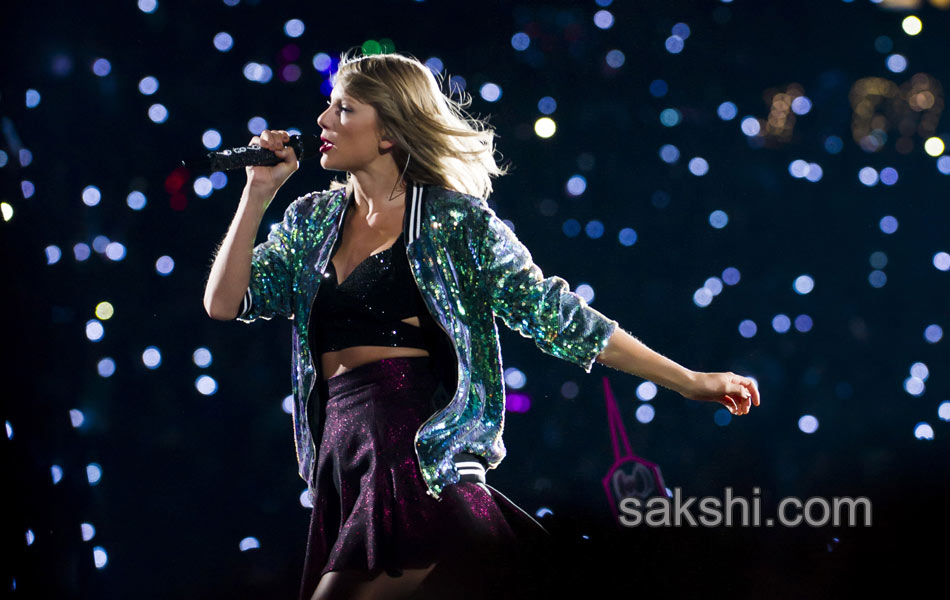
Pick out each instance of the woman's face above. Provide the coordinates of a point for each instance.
(352, 130)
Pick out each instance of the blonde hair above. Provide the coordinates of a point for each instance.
(444, 145)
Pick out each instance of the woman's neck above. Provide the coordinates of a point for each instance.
(378, 190)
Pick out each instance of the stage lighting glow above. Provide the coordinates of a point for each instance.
(56, 472)
(249, 543)
(94, 330)
(586, 292)
(76, 417)
(658, 88)
(232, 2)
(750, 126)
(104, 311)
(101, 67)
(32, 98)
(165, 265)
(30, 538)
(920, 371)
(714, 285)
(934, 146)
(627, 236)
(877, 279)
(457, 84)
(211, 139)
(305, 499)
(933, 333)
(943, 411)
(670, 117)
(576, 185)
(290, 73)
(798, 168)
(571, 227)
(914, 386)
(645, 413)
(722, 417)
(223, 41)
(888, 224)
(747, 328)
(435, 65)
(152, 357)
(646, 391)
(253, 71)
(148, 85)
(698, 166)
(115, 251)
(106, 367)
(288, 404)
(833, 144)
(544, 511)
(294, 28)
(912, 25)
(896, 63)
(206, 385)
(203, 187)
(93, 473)
(321, 62)
(615, 59)
(81, 251)
(201, 357)
(727, 111)
(803, 284)
(99, 243)
(27, 188)
(547, 106)
(808, 424)
(9, 430)
(88, 531)
(681, 29)
(868, 176)
(923, 431)
(148, 6)
(219, 179)
(3, 158)
(718, 219)
(801, 105)
(545, 127)
(941, 260)
(569, 390)
(878, 259)
(158, 113)
(91, 195)
(603, 19)
(515, 378)
(814, 172)
(100, 557)
(53, 254)
(490, 92)
(702, 297)
(594, 229)
(669, 153)
(135, 200)
(888, 176)
(256, 125)
(520, 41)
(6, 210)
(803, 323)
(674, 44)
(781, 323)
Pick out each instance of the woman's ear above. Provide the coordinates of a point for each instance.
(385, 142)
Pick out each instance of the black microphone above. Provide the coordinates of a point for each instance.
(253, 155)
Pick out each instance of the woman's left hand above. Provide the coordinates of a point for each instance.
(735, 392)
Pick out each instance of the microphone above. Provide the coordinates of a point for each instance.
(253, 155)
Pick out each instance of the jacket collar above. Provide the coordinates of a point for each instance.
(412, 218)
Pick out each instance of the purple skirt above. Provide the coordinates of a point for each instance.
(371, 512)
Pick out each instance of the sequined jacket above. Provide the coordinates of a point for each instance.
(469, 267)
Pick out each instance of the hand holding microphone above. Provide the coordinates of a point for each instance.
(266, 178)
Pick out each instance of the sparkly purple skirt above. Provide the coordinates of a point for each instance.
(371, 511)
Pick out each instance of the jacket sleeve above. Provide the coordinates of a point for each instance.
(542, 308)
(273, 272)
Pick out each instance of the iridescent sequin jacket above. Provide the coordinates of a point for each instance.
(469, 267)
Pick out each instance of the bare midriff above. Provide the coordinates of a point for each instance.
(341, 361)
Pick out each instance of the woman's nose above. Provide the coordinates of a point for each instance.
(321, 120)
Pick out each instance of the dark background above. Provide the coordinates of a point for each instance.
(186, 477)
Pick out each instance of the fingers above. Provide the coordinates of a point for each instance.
(274, 140)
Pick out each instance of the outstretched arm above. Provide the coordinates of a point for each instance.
(628, 354)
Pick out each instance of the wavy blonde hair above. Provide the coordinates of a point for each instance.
(445, 145)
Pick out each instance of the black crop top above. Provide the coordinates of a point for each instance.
(368, 308)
